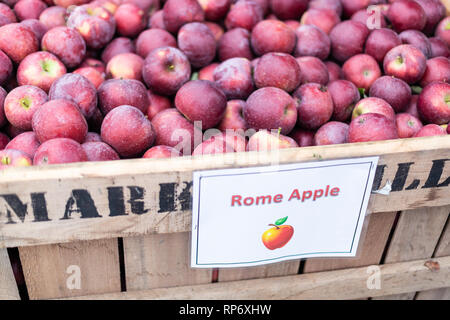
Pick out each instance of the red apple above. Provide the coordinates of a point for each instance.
(130, 20)
(311, 41)
(99, 151)
(207, 73)
(215, 10)
(29, 9)
(59, 150)
(394, 91)
(417, 39)
(348, 39)
(6, 67)
(235, 43)
(153, 38)
(324, 19)
(234, 78)
(334, 5)
(125, 66)
(159, 152)
(380, 41)
(270, 108)
(334, 71)
(21, 103)
(128, 131)
(313, 70)
(24, 41)
(372, 127)
(333, 132)
(362, 70)
(345, 95)
(272, 36)
(14, 158)
(4, 140)
(201, 100)
(438, 69)
(40, 69)
(26, 142)
(443, 30)
(198, 43)
(280, 70)
(92, 75)
(405, 62)
(407, 125)
(117, 46)
(439, 48)
(406, 14)
(243, 14)
(303, 137)
(53, 17)
(288, 9)
(176, 13)
(374, 105)
(430, 130)
(157, 104)
(263, 140)
(315, 105)
(433, 103)
(234, 116)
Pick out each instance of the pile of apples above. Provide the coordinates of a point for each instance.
(112, 79)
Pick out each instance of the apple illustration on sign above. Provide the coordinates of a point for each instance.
(277, 236)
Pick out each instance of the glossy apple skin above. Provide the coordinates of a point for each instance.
(288, 9)
(371, 127)
(26, 142)
(277, 237)
(270, 108)
(394, 91)
(157, 104)
(333, 132)
(99, 151)
(434, 11)
(324, 19)
(176, 13)
(14, 158)
(159, 152)
(303, 137)
(92, 75)
(311, 41)
(243, 14)
(59, 150)
(59, 119)
(233, 118)
(405, 62)
(438, 69)
(40, 69)
(29, 9)
(165, 70)
(380, 41)
(433, 103)
(362, 70)
(130, 20)
(201, 100)
(174, 130)
(345, 95)
(53, 17)
(25, 41)
(315, 105)
(374, 105)
(153, 38)
(207, 73)
(265, 140)
(407, 125)
(235, 43)
(417, 39)
(128, 131)
(443, 30)
(272, 36)
(348, 39)
(21, 103)
(406, 14)
(276, 69)
(234, 78)
(125, 66)
(312, 69)
(430, 130)
(198, 43)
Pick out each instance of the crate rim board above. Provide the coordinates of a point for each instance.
(395, 278)
(139, 183)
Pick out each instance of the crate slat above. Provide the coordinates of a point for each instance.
(8, 286)
(52, 271)
(161, 260)
(415, 237)
(88, 201)
(371, 247)
(396, 278)
(443, 249)
(266, 271)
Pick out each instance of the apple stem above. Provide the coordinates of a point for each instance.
(274, 225)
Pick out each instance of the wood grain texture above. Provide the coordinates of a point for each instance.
(161, 260)
(416, 236)
(397, 278)
(57, 184)
(442, 249)
(50, 271)
(369, 252)
(8, 286)
(266, 271)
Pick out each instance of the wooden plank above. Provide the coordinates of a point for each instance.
(339, 284)
(87, 201)
(266, 271)
(73, 269)
(8, 286)
(416, 236)
(161, 260)
(442, 249)
(370, 251)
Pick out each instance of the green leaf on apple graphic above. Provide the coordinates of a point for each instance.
(280, 221)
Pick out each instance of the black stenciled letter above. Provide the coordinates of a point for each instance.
(84, 205)
(379, 173)
(435, 175)
(401, 175)
(19, 208)
(185, 197)
(136, 200)
(39, 207)
(167, 197)
(116, 201)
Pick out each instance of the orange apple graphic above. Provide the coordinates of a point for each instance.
(277, 236)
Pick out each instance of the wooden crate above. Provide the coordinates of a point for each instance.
(121, 230)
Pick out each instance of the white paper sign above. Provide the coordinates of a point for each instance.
(254, 216)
